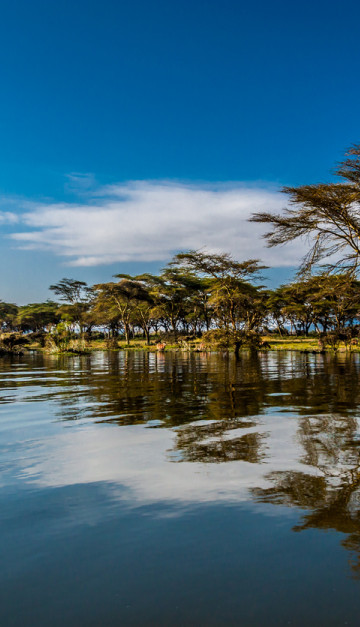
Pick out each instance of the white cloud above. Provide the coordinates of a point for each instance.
(149, 221)
(137, 458)
(7, 217)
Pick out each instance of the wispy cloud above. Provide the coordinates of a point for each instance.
(80, 182)
(8, 217)
(150, 221)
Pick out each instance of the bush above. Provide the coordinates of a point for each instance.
(226, 339)
(62, 340)
(12, 343)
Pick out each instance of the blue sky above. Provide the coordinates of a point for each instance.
(205, 105)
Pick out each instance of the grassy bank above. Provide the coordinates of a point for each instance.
(274, 343)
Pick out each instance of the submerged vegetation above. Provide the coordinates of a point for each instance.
(203, 300)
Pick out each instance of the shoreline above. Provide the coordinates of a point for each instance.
(274, 344)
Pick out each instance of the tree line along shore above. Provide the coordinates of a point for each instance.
(207, 301)
(199, 301)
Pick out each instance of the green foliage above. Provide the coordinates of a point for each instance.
(328, 215)
(326, 301)
(12, 343)
(197, 295)
(72, 291)
(59, 339)
(229, 339)
(8, 312)
(37, 316)
(63, 340)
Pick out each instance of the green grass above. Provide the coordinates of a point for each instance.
(276, 342)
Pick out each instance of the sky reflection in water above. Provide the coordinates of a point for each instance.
(187, 478)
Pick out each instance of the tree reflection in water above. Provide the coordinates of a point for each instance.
(332, 497)
(226, 410)
(209, 443)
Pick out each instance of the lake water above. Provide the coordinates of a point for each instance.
(179, 489)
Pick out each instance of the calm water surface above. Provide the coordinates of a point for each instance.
(179, 489)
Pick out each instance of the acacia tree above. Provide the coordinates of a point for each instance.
(106, 315)
(8, 313)
(231, 294)
(170, 292)
(124, 296)
(199, 310)
(335, 301)
(38, 317)
(298, 304)
(143, 312)
(143, 317)
(275, 306)
(77, 298)
(329, 302)
(327, 214)
(71, 291)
